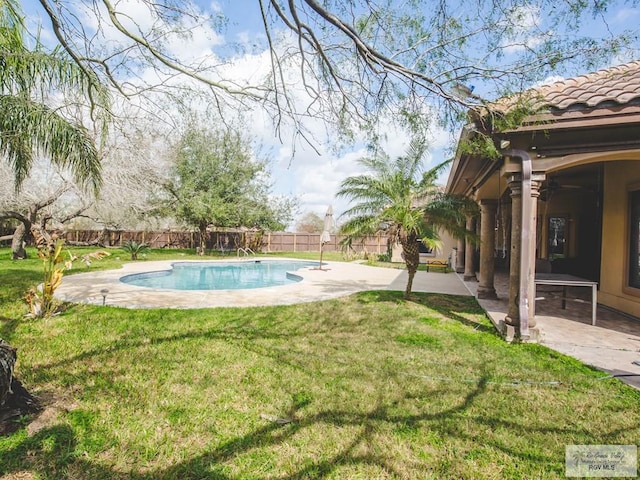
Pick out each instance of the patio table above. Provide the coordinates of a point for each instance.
(565, 280)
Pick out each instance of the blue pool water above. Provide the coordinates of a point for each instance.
(220, 275)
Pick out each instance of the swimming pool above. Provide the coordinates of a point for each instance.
(220, 275)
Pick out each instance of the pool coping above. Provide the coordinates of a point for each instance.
(336, 279)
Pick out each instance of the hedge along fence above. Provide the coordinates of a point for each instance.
(225, 241)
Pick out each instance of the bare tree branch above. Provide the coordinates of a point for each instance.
(347, 64)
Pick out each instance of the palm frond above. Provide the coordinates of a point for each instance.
(30, 76)
(449, 212)
(360, 226)
(40, 71)
(371, 208)
(366, 187)
(390, 195)
(410, 164)
(430, 177)
(377, 164)
(28, 127)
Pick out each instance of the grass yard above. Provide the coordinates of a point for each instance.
(365, 387)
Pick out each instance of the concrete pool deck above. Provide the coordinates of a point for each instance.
(337, 279)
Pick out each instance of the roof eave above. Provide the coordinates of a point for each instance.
(460, 160)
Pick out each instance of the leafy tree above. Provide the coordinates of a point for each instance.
(395, 198)
(217, 183)
(310, 222)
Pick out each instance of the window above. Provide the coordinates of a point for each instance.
(422, 248)
(557, 237)
(634, 239)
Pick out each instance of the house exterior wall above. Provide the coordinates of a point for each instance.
(447, 246)
(619, 176)
(448, 243)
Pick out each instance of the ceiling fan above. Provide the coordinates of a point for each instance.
(553, 185)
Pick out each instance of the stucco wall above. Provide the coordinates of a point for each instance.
(618, 177)
(448, 243)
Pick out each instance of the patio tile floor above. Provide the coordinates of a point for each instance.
(612, 345)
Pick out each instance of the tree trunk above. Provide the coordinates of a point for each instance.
(7, 362)
(15, 401)
(18, 242)
(411, 251)
(201, 250)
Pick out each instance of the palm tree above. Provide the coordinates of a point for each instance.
(409, 207)
(29, 127)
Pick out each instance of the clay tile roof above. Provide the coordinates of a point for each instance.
(615, 85)
(619, 85)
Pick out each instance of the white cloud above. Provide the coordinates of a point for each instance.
(625, 15)
(215, 7)
(299, 170)
(525, 24)
(548, 81)
(315, 178)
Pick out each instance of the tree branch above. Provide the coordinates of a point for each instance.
(10, 214)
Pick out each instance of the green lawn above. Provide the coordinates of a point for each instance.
(365, 387)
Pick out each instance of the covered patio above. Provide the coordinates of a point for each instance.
(613, 345)
(561, 200)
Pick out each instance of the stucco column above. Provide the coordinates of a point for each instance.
(469, 253)
(536, 182)
(487, 248)
(515, 185)
(459, 266)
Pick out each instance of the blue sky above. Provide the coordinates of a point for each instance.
(313, 178)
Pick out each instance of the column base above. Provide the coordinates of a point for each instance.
(516, 321)
(511, 332)
(511, 321)
(487, 293)
(470, 278)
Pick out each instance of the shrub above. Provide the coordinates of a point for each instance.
(41, 298)
(134, 248)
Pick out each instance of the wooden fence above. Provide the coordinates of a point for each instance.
(227, 242)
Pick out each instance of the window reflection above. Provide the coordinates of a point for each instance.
(557, 237)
